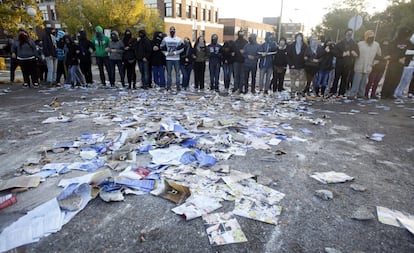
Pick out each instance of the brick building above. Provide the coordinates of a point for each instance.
(191, 18)
(233, 25)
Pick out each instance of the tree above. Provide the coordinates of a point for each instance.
(110, 14)
(13, 15)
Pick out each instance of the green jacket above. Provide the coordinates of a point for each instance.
(100, 46)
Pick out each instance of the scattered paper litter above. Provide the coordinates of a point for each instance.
(393, 217)
(20, 182)
(196, 207)
(331, 177)
(223, 228)
(59, 119)
(257, 210)
(376, 137)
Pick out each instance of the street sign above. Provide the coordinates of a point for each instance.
(355, 23)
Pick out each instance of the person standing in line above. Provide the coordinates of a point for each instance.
(325, 57)
(398, 60)
(377, 71)
(311, 63)
(72, 61)
(368, 51)
(228, 54)
(186, 62)
(101, 43)
(115, 50)
(24, 50)
(49, 49)
(143, 52)
(251, 57)
(238, 72)
(200, 56)
(61, 55)
(172, 47)
(267, 51)
(129, 58)
(41, 66)
(85, 62)
(279, 66)
(345, 53)
(296, 61)
(214, 62)
(13, 61)
(158, 60)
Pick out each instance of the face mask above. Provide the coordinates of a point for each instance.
(282, 43)
(250, 40)
(114, 37)
(172, 33)
(299, 39)
(214, 40)
(240, 36)
(54, 33)
(348, 36)
(141, 35)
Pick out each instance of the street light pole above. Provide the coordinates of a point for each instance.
(279, 29)
(32, 13)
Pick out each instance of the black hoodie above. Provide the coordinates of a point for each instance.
(157, 56)
(85, 46)
(130, 44)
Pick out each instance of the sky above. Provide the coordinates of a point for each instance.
(298, 11)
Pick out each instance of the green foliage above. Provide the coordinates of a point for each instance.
(110, 14)
(13, 15)
(335, 22)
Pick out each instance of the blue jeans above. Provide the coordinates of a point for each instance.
(101, 62)
(186, 71)
(170, 65)
(214, 76)
(238, 75)
(228, 72)
(145, 73)
(158, 73)
(76, 75)
(323, 77)
(112, 64)
(51, 63)
(264, 78)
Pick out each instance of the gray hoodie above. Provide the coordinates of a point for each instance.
(251, 49)
(116, 47)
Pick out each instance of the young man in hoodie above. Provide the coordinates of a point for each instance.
(129, 58)
(158, 60)
(143, 54)
(49, 47)
(368, 51)
(172, 47)
(101, 43)
(115, 50)
(86, 48)
(251, 57)
(345, 52)
(279, 66)
(296, 61)
(267, 50)
(61, 55)
(239, 45)
(214, 62)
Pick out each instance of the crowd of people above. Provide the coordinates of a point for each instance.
(321, 68)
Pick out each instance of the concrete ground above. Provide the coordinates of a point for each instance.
(307, 223)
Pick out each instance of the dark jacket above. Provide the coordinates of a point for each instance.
(251, 49)
(186, 57)
(73, 54)
(130, 46)
(26, 50)
(280, 58)
(214, 53)
(296, 61)
(266, 61)
(157, 56)
(325, 56)
(239, 44)
(143, 48)
(344, 46)
(85, 47)
(228, 53)
(310, 65)
(49, 47)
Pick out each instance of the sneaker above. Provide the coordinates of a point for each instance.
(36, 85)
(25, 85)
(410, 95)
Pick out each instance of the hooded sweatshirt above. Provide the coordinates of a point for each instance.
(116, 47)
(101, 42)
(172, 44)
(86, 47)
(60, 45)
(251, 49)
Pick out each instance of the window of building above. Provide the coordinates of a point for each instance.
(195, 12)
(216, 17)
(178, 12)
(151, 3)
(168, 8)
(203, 14)
(188, 11)
(45, 15)
(228, 30)
(209, 15)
